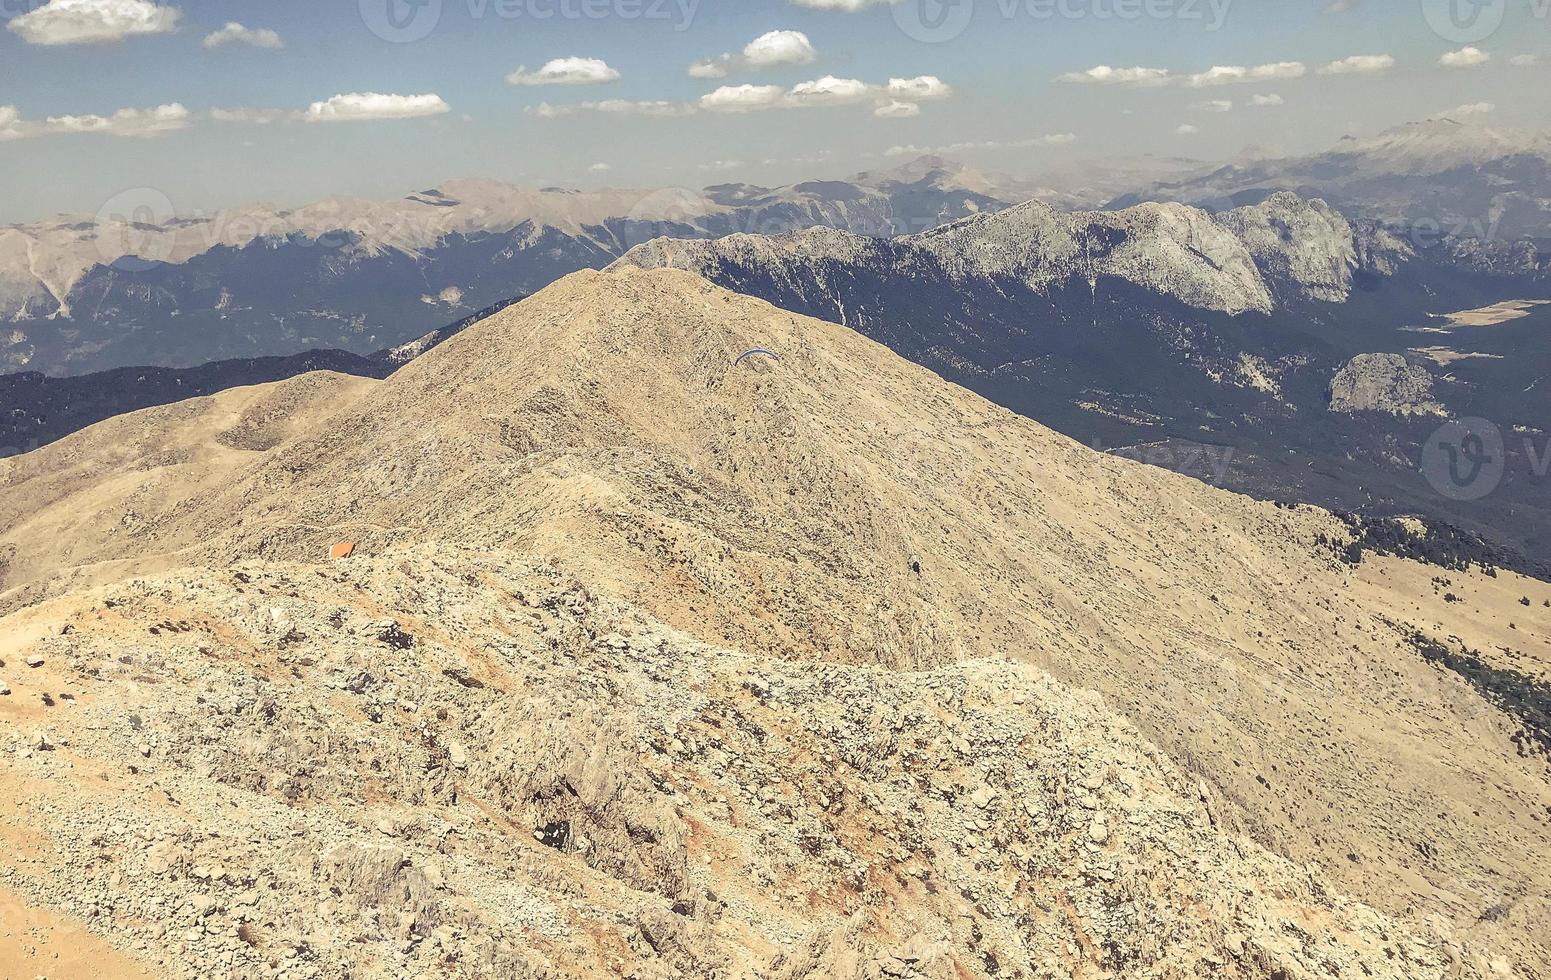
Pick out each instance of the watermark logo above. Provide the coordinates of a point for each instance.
(1199, 461)
(131, 232)
(401, 21)
(1464, 21)
(1465, 459)
(934, 21)
(406, 21)
(937, 21)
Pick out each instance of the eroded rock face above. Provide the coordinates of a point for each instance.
(1501, 258)
(1308, 249)
(1384, 383)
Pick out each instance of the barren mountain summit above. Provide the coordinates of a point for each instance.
(657, 659)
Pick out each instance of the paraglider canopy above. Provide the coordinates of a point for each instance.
(755, 352)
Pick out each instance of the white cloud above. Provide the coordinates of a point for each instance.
(134, 123)
(1215, 105)
(361, 106)
(93, 21)
(566, 71)
(1140, 77)
(621, 107)
(922, 88)
(235, 33)
(1105, 75)
(719, 67)
(1472, 109)
(830, 91)
(1467, 57)
(770, 50)
(897, 110)
(779, 48)
(1187, 130)
(1264, 101)
(1360, 64)
(11, 124)
(600, 168)
(722, 165)
(743, 98)
(1232, 74)
(129, 123)
(1524, 60)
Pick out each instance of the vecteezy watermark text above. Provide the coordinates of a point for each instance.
(1209, 464)
(1473, 21)
(406, 21)
(937, 21)
(1468, 459)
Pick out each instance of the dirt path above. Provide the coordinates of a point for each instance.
(35, 943)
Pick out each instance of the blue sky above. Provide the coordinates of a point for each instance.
(1002, 67)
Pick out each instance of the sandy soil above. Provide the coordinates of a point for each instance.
(1491, 316)
(1444, 356)
(38, 943)
(1486, 615)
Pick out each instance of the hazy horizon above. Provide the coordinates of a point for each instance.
(218, 103)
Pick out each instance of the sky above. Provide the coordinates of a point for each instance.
(217, 103)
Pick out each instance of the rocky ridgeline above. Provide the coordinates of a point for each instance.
(1245, 260)
(1309, 248)
(365, 273)
(450, 763)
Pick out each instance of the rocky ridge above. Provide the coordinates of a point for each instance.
(1232, 263)
(539, 781)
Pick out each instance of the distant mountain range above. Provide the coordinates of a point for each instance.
(1442, 177)
(82, 293)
